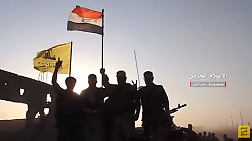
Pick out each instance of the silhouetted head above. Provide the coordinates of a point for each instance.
(121, 77)
(200, 134)
(92, 80)
(70, 83)
(225, 136)
(204, 133)
(190, 126)
(148, 77)
(213, 134)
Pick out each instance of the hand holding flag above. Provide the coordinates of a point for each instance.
(102, 71)
(58, 64)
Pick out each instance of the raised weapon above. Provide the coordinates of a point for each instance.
(177, 108)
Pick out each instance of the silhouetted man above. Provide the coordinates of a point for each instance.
(200, 136)
(155, 106)
(209, 136)
(66, 112)
(225, 137)
(214, 138)
(192, 136)
(204, 137)
(126, 107)
(250, 134)
(92, 100)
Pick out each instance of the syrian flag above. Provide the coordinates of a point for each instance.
(86, 20)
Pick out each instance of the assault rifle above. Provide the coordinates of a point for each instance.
(173, 111)
(139, 130)
(177, 108)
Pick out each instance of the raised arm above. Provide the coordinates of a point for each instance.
(164, 99)
(56, 86)
(137, 102)
(138, 107)
(105, 79)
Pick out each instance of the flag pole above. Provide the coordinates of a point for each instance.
(43, 77)
(39, 76)
(70, 67)
(226, 124)
(241, 117)
(102, 39)
(232, 121)
(137, 68)
(46, 76)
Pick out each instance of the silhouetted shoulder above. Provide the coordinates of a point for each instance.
(112, 87)
(83, 92)
(129, 84)
(160, 86)
(75, 93)
(76, 98)
(141, 90)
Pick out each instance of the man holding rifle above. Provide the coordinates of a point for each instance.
(155, 106)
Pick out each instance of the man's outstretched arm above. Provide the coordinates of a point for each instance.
(56, 86)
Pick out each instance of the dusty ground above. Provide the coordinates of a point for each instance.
(13, 131)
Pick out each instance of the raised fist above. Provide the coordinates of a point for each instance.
(58, 64)
(102, 71)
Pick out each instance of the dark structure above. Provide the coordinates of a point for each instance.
(34, 95)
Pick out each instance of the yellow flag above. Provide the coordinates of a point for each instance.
(46, 59)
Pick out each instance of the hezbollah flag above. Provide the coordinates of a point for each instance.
(86, 20)
(46, 59)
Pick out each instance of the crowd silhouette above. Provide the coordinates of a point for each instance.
(211, 137)
(204, 136)
(109, 113)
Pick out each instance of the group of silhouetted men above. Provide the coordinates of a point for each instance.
(109, 113)
(211, 137)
